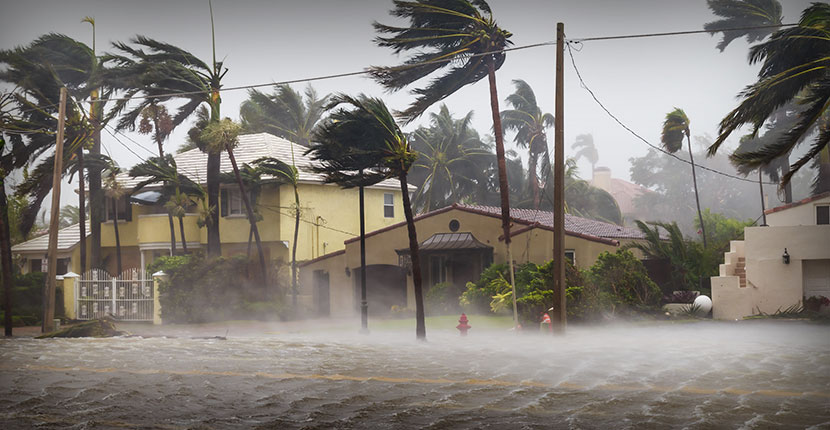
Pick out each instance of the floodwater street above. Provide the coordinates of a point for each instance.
(751, 374)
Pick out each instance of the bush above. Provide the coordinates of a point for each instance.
(201, 290)
(442, 299)
(621, 279)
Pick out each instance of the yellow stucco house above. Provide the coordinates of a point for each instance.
(456, 243)
(329, 214)
(779, 265)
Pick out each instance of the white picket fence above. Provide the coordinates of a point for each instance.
(128, 297)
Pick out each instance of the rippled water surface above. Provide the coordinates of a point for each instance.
(753, 375)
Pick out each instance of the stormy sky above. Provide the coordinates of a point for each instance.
(639, 80)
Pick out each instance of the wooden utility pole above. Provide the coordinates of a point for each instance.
(560, 312)
(51, 273)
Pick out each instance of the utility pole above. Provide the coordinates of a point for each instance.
(560, 312)
(51, 273)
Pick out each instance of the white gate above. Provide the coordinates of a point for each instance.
(128, 297)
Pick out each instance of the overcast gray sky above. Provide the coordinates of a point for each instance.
(639, 80)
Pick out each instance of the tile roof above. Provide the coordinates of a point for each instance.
(193, 163)
(798, 203)
(450, 241)
(67, 239)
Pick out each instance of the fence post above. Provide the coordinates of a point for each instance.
(113, 310)
(70, 294)
(157, 278)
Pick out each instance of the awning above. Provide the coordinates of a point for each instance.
(146, 198)
(449, 242)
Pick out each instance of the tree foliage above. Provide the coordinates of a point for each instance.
(284, 113)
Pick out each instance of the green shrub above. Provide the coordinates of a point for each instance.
(201, 290)
(442, 299)
(621, 279)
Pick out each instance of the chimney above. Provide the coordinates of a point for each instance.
(602, 178)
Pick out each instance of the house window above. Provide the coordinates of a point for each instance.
(388, 205)
(822, 215)
(36, 265)
(570, 255)
(123, 207)
(437, 269)
(232, 202)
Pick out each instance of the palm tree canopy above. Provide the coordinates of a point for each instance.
(283, 113)
(740, 14)
(588, 149)
(457, 34)
(361, 144)
(162, 170)
(161, 72)
(675, 128)
(221, 135)
(451, 163)
(282, 172)
(526, 118)
(794, 67)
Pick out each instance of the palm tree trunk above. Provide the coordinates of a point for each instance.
(250, 241)
(420, 322)
(534, 179)
(81, 210)
(184, 240)
(172, 234)
(504, 191)
(96, 194)
(697, 198)
(251, 218)
(294, 248)
(763, 209)
(788, 189)
(6, 258)
(117, 238)
(214, 245)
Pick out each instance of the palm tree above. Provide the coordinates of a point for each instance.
(588, 150)
(283, 113)
(69, 215)
(252, 179)
(224, 135)
(160, 72)
(451, 161)
(115, 191)
(743, 14)
(174, 187)
(461, 34)
(675, 127)
(156, 120)
(362, 146)
(794, 68)
(529, 122)
(285, 174)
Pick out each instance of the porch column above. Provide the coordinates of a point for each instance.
(70, 286)
(157, 278)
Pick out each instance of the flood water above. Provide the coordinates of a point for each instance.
(707, 375)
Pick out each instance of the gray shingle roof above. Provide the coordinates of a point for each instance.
(67, 239)
(193, 163)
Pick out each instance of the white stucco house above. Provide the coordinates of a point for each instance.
(779, 265)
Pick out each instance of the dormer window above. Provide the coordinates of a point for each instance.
(823, 215)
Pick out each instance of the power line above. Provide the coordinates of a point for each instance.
(678, 33)
(271, 208)
(614, 117)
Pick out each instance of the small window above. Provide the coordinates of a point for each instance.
(388, 205)
(822, 215)
(570, 255)
(123, 207)
(36, 265)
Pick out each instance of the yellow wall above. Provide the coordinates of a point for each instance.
(155, 228)
(341, 290)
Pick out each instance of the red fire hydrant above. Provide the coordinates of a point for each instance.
(463, 326)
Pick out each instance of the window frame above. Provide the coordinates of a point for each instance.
(389, 208)
(123, 203)
(827, 208)
(572, 258)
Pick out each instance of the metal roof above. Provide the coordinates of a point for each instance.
(449, 242)
(68, 238)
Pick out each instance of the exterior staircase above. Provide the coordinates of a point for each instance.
(740, 271)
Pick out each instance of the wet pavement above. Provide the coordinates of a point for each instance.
(706, 375)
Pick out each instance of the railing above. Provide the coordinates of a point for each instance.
(128, 297)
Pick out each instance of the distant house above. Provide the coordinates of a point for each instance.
(456, 244)
(329, 214)
(624, 192)
(777, 266)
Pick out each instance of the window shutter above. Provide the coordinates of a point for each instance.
(223, 203)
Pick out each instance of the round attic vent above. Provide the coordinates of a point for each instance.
(454, 225)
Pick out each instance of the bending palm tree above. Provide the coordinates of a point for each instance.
(115, 192)
(589, 151)
(529, 122)
(362, 146)
(743, 14)
(675, 127)
(283, 113)
(451, 162)
(457, 33)
(794, 69)
(223, 135)
(156, 120)
(285, 174)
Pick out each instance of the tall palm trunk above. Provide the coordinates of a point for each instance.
(294, 248)
(160, 144)
(117, 237)
(96, 193)
(251, 218)
(213, 170)
(184, 240)
(697, 198)
(364, 304)
(6, 257)
(420, 322)
(504, 191)
(534, 179)
(81, 209)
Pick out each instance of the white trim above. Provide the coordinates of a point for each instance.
(161, 215)
(155, 246)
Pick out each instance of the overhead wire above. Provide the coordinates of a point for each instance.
(680, 33)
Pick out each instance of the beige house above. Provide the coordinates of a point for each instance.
(777, 266)
(456, 244)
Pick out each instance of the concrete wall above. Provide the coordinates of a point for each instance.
(804, 214)
(341, 290)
